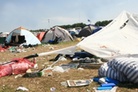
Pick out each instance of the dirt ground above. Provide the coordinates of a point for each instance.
(44, 83)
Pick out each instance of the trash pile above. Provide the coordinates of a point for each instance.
(3, 48)
(106, 84)
(15, 49)
(22, 67)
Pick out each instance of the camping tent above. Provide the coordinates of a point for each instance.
(40, 35)
(120, 37)
(73, 32)
(3, 36)
(86, 31)
(56, 33)
(21, 36)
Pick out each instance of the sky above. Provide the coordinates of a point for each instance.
(44, 14)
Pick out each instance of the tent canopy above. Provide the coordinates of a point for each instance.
(56, 33)
(86, 31)
(22, 36)
(41, 35)
(120, 37)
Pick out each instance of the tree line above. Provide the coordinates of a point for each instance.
(75, 25)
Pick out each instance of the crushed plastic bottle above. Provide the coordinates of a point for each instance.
(22, 89)
(52, 89)
(102, 80)
(47, 72)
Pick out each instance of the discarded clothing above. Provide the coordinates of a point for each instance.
(82, 54)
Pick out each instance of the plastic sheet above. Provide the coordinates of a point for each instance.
(16, 66)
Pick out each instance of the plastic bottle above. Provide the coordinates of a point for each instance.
(108, 85)
(109, 80)
(102, 80)
(33, 74)
(104, 88)
(52, 89)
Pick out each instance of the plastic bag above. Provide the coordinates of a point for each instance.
(16, 66)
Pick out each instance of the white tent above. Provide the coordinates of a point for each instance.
(4, 34)
(120, 37)
(57, 33)
(22, 35)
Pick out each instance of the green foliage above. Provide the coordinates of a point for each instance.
(73, 25)
(38, 30)
(102, 23)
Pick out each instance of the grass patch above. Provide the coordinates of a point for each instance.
(43, 84)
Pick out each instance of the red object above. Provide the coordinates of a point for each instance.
(5, 70)
(2, 49)
(41, 35)
(16, 66)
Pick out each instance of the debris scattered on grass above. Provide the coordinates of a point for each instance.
(64, 83)
(22, 89)
(18, 76)
(52, 89)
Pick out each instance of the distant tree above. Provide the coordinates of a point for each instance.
(73, 25)
(65, 26)
(102, 23)
(38, 30)
(78, 25)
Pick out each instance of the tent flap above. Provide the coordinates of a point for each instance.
(119, 37)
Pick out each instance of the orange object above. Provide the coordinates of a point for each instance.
(41, 35)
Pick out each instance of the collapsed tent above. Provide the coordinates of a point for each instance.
(56, 34)
(21, 36)
(120, 37)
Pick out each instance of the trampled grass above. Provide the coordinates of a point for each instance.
(43, 84)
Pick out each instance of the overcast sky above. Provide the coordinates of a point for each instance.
(43, 14)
